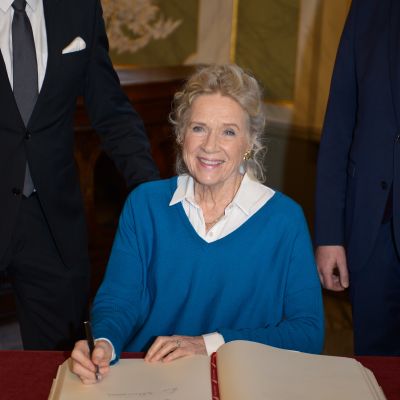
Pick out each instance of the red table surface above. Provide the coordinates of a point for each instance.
(28, 375)
(387, 373)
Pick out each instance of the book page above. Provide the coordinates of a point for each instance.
(248, 370)
(132, 379)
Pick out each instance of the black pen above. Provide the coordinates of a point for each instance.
(90, 340)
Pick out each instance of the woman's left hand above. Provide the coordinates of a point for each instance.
(168, 348)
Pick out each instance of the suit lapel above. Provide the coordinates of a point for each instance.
(5, 86)
(394, 56)
(8, 103)
(51, 15)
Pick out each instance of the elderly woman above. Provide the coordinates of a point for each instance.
(212, 255)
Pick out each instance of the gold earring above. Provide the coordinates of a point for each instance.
(247, 155)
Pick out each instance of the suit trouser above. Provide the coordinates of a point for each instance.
(51, 298)
(375, 297)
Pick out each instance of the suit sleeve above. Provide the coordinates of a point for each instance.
(336, 140)
(111, 114)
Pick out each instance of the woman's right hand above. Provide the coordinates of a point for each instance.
(85, 367)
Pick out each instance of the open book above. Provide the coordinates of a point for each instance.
(244, 370)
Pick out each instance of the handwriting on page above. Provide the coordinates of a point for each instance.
(164, 394)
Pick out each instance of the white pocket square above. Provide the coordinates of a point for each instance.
(77, 44)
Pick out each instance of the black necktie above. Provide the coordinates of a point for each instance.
(25, 73)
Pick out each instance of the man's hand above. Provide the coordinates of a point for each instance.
(332, 267)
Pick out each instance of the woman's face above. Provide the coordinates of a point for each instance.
(215, 140)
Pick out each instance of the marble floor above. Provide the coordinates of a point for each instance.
(338, 339)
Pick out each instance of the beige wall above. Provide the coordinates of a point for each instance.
(208, 32)
(321, 24)
(289, 44)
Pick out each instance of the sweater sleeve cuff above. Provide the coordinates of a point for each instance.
(213, 342)
(113, 356)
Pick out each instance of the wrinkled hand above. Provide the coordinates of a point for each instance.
(168, 348)
(332, 267)
(85, 367)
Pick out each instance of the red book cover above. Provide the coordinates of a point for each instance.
(214, 377)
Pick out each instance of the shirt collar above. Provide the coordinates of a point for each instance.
(6, 4)
(250, 191)
(33, 4)
(184, 190)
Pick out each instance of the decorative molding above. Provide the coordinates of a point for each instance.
(234, 28)
(320, 28)
(214, 32)
(133, 24)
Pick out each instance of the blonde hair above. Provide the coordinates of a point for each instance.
(232, 81)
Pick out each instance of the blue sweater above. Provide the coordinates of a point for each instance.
(258, 283)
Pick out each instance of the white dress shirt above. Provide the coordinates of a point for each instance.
(250, 197)
(35, 12)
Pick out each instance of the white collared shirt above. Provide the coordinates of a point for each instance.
(35, 12)
(250, 197)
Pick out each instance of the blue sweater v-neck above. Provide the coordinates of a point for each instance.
(258, 283)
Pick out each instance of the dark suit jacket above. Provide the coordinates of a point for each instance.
(47, 142)
(359, 157)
